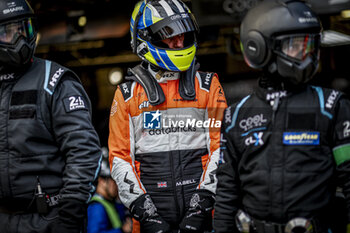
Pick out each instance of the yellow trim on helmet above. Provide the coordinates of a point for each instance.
(181, 58)
(136, 10)
(182, 62)
(156, 19)
(148, 56)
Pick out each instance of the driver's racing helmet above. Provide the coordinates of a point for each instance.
(284, 37)
(155, 20)
(17, 33)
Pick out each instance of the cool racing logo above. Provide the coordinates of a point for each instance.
(251, 122)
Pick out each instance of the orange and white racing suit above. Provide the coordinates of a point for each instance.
(176, 157)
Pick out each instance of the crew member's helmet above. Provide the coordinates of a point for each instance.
(155, 20)
(17, 33)
(282, 36)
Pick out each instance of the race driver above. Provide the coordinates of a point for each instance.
(164, 124)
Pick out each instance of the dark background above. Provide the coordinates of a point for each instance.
(103, 44)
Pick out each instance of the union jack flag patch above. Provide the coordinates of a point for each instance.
(162, 184)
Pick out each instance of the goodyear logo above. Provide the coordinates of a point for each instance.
(301, 138)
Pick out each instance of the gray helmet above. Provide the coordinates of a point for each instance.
(17, 33)
(283, 36)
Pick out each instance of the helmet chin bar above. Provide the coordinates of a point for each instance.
(296, 73)
(18, 55)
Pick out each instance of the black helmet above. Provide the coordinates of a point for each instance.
(282, 36)
(17, 33)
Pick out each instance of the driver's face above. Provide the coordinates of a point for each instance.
(175, 42)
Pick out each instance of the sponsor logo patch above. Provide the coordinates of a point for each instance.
(301, 138)
(308, 18)
(4, 77)
(274, 95)
(228, 117)
(54, 77)
(74, 103)
(152, 120)
(144, 104)
(207, 79)
(255, 139)
(331, 99)
(12, 9)
(185, 182)
(125, 88)
(251, 122)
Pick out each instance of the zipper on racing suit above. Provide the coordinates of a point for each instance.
(274, 112)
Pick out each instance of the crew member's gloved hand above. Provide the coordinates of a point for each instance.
(71, 215)
(144, 211)
(199, 212)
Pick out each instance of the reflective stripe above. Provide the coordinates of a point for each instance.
(321, 98)
(112, 213)
(47, 74)
(341, 154)
(253, 130)
(234, 117)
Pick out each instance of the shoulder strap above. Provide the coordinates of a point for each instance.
(111, 211)
(186, 85)
(153, 90)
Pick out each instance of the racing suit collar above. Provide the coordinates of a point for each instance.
(270, 89)
(162, 76)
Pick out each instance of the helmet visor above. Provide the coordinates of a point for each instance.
(10, 32)
(172, 26)
(299, 47)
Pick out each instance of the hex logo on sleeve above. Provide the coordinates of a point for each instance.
(74, 103)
